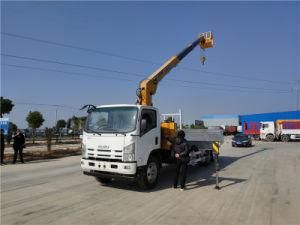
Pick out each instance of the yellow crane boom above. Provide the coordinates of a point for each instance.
(148, 86)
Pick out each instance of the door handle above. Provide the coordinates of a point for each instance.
(156, 140)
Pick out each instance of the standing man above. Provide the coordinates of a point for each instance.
(19, 143)
(2, 146)
(180, 151)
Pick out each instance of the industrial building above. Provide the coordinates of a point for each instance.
(220, 120)
(250, 123)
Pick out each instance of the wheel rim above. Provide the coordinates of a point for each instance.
(269, 138)
(285, 138)
(151, 172)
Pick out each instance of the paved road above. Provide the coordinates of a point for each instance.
(260, 186)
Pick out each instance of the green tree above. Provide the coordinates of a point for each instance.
(82, 122)
(60, 124)
(169, 119)
(192, 126)
(35, 120)
(76, 124)
(6, 106)
(48, 135)
(186, 126)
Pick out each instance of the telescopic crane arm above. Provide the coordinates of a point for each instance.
(148, 86)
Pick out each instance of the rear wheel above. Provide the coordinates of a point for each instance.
(207, 158)
(285, 138)
(103, 180)
(147, 177)
(270, 137)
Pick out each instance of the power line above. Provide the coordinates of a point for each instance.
(66, 72)
(232, 75)
(74, 65)
(136, 59)
(77, 47)
(84, 74)
(42, 104)
(139, 75)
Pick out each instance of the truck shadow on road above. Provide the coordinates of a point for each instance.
(197, 176)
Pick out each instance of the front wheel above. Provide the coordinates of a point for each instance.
(285, 138)
(270, 138)
(147, 177)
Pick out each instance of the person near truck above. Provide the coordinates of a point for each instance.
(19, 144)
(180, 151)
(2, 146)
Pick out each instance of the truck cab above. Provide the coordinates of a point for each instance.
(122, 141)
(267, 131)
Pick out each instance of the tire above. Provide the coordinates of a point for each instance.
(148, 176)
(207, 158)
(233, 145)
(270, 138)
(103, 180)
(285, 138)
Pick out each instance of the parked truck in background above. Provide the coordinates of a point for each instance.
(128, 140)
(252, 129)
(284, 130)
(230, 130)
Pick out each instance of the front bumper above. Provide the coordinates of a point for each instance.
(242, 144)
(104, 167)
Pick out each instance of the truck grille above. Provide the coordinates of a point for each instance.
(105, 154)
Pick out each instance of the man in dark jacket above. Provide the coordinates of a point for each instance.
(2, 146)
(180, 151)
(19, 143)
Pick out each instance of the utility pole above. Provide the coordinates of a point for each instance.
(56, 109)
(297, 93)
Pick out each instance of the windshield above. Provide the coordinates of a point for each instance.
(112, 119)
(241, 137)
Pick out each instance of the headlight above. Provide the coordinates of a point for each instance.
(128, 157)
(130, 148)
(129, 152)
(83, 150)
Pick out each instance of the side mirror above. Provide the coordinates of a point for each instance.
(143, 125)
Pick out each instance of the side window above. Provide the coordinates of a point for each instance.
(265, 126)
(150, 116)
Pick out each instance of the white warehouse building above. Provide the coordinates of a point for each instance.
(220, 120)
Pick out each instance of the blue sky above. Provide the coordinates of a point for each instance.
(254, 41)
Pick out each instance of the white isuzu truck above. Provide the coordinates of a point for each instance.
(283, 130)
(129, 141)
